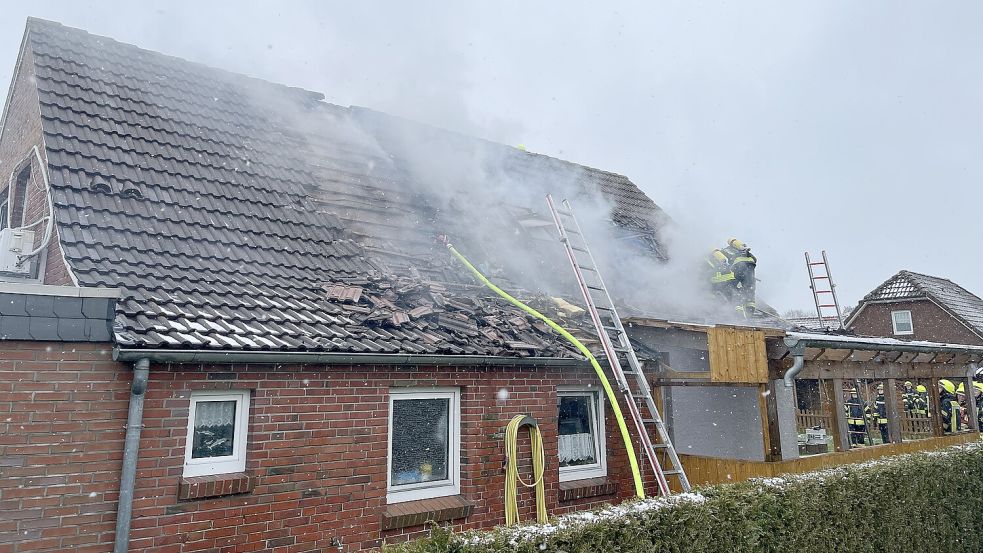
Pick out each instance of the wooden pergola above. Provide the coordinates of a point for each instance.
(835, 359)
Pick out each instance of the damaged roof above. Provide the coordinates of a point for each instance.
(910, 286)
(230, 223)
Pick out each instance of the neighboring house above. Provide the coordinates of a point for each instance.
(294, 361)
(914, 306)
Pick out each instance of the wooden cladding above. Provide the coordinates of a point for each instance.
(737, 355)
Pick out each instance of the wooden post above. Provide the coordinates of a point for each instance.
(841, 432)
(893, 417)
(774, 424)
(933, 398)
(971, 407)
(765, 422)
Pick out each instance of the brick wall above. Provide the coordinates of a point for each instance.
(62, 412)
(22, 131)
(315, 472)
(929, 322)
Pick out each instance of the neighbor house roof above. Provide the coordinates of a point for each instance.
(962, 304)
(236, 213)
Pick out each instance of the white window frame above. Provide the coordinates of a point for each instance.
(440, 488)
(600, 468)
(894, 323)
(219, 465)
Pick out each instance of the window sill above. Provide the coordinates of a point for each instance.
(590, 487)
(216, 485)
(418, 513)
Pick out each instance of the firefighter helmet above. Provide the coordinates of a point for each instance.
(737, 244)
(947, 386)
(921, 389)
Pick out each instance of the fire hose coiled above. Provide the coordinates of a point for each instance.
(512, 478)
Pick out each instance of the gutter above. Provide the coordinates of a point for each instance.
(321, 358)
(131, 453)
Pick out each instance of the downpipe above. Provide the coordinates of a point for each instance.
(131, 453)
(797, 349)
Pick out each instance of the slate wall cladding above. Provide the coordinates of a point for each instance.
(929, 322)
(56, 318)
(315, 461)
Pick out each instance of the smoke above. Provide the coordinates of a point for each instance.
(490, 200)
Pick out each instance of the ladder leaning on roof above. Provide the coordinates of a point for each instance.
(831, 302)
(615, 342)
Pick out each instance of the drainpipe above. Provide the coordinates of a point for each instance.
(131, 452)
(797, 350)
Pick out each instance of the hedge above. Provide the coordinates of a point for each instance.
(930, 501)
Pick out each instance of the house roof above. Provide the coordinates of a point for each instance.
(238, 214)
(909, 285)
(814, 323)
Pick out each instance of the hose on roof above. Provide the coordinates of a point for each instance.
(612, 399)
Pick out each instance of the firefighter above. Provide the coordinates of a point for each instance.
(742, 262)
(921, 405)
(722, 280)
(949, 406)
(877, 413)
(909, 398)
(854, 409)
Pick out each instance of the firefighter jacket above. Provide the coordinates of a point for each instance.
(950, 412)
(910, 400)
(877, 412)
(921, 405)
(854, 410)
(720, 270)
(736, 256)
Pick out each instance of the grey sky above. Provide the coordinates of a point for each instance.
(851, 126)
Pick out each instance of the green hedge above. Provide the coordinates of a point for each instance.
(920, 502)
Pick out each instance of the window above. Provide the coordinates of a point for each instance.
(424, 444)
(18, 200)
(217, 425)
(902, 322)
(4, 209)
(581, 435)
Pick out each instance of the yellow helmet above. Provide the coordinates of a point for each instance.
(718, 256)
(961, 389)
(921, 389)
(907, 383)
(947, 386)
(978, 386)
(735, 243)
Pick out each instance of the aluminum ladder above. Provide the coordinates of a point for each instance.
(821, 294)
(615, 342)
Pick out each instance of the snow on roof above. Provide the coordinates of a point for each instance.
(888, 343)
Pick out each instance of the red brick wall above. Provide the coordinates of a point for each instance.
(929, 322)
(21, 132)
(62, 412)
(317, 450)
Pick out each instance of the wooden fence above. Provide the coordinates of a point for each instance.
(710, 470)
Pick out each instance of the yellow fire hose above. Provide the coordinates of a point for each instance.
(512, 478)
(612, 399)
